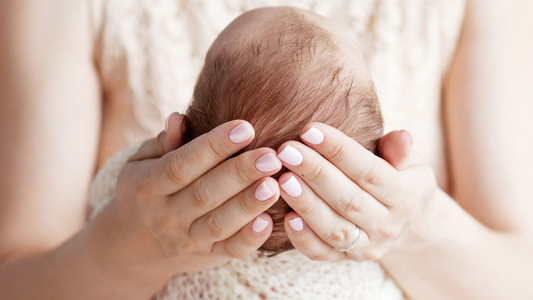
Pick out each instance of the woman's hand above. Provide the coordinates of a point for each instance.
(336, 185)
(190, 209)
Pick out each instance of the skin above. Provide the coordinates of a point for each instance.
(454, 249)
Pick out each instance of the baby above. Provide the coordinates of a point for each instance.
(279, 69)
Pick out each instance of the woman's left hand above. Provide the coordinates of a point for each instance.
(336, 185)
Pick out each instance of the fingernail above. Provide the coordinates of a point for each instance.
(291, 156)
(408, 136)
(241, 133)
(292, 187)
(262, 192)
(313, 136)
(296, 224)
(166, 122)
(267, 163)
(259, 224)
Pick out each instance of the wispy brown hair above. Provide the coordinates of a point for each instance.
(291, 76)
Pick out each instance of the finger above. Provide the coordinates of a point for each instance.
(226, 220)
(331, 227)
(329, 183)
(224, 182)
(246, 240)
(305, 240)
(396, 148)
(179, 168)
(370, 172)
(168, 140)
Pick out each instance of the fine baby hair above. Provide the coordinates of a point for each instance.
(280, 76)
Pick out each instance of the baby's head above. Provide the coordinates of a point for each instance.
(280, 69)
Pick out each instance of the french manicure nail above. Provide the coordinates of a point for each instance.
(262, 192)
(291, 156)
(292, 187)
(267, 163)
(296, 224)
(166, 122)
(259, 224)
(313, 136)
(241, 133)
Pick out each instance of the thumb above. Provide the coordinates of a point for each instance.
(168, 140)
(396, 148)
(174, 132)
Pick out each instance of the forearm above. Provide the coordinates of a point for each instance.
(78, 269)
(455, 257)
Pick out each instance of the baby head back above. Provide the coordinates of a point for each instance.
(280, 69)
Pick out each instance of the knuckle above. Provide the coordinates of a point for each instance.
(217, 148)
(201, 195)
(175, 170)
(373, 178)
(340, 237)
(336, 151)
(214, 226)
(241, 173)
(247, 207)
(308, 207)
(315, 174)
(354, 205)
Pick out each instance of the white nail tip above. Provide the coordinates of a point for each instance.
(296, 224)
(291, 156)
(313, 136)
(292, 187)
(262, 192)
(259, 224)
(166, 122)
(267, 163)
(241, 133)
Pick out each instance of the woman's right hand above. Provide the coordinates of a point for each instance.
(189, 209)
